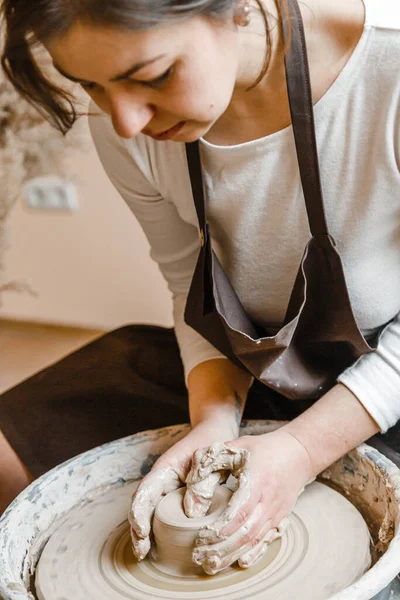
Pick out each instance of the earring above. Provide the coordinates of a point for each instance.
(242, 13)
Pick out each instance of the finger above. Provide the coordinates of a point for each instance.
(250, 558)
(140, 547)
(198, 496)
(202, 465)
(239, 509)
(217, 457)
(238, 540)
(146, 498)
(283, 525)
(214, 563)
(219, 531)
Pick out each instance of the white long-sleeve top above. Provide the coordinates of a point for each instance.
(257, 213)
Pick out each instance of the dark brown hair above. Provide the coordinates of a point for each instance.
(30, 22)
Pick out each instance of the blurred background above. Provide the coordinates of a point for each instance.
(74, 262)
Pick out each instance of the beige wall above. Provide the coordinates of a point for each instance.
(90, 268)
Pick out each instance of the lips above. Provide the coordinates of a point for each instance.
(168, 133)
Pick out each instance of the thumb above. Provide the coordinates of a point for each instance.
(144, 501)
(198, 496)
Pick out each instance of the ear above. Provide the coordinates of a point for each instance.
(241, 15)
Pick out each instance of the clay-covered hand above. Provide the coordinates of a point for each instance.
(271, 471)
(168, 473)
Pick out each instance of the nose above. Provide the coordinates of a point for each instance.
(129, 116)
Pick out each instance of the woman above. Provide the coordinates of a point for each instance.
(164, 74)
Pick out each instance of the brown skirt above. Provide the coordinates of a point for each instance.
(127, 381)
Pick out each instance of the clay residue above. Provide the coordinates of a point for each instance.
(373, 487)
(371, 482)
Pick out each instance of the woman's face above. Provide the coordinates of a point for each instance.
(172, 82)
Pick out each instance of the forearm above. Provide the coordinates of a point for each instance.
(217, 393)
(333, 426)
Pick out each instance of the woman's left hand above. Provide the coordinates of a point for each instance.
(272, 470)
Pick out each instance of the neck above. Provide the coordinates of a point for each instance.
(332, 32)
(256, 111)
(256, 45)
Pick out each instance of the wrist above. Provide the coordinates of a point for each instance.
(218, 425)
(217, 394)
(223, 412)
(300, 458)
(333, 426)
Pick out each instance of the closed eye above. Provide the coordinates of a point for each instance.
(89, 86)
(158, 80)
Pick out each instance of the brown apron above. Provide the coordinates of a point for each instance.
(320, 337)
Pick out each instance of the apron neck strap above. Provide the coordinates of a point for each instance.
(301, 110)
(302, 114)
(196, 180)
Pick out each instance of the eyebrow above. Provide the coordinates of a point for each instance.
(128, 73)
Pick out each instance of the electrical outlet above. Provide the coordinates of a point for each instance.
(51, 193)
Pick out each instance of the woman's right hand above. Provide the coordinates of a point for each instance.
(169, 473)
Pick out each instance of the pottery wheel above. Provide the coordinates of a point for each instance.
(325, 549)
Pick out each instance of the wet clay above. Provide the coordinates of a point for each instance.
(324, 549)
(222, 460)
(103, 479)
(175, 534)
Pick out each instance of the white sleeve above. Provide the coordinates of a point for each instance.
(375, 378)
(174, 243)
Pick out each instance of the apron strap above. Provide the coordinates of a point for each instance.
(196, 180)
(301, 109)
